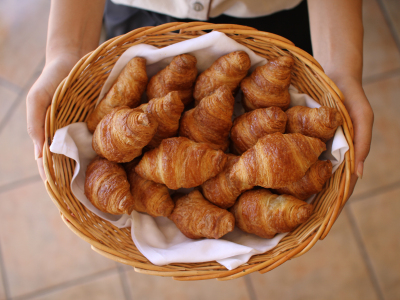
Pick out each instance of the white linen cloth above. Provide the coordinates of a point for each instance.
(158, 239)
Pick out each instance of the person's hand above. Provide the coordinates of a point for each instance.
(39, 98)
(362, 116)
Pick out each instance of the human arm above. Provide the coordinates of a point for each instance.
(337, 41)
(74, 30)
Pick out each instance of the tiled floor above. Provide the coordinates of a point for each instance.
(41, 259)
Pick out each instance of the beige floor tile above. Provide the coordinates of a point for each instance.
(148, 287)
(378, 221)
(23, 30)
(332, 269)
(393, 10)
(16, 156)
(382, 164)
(7, 98)
(380, 51)
(105, 288)
(2, 291)
(38, 249)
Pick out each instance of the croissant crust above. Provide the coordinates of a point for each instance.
(122, 134)
(126, 91)
(197, 218)
(107, 187)
(153, 197)
(264, 214)
(181, 163)
(227, 70)
(251, 126)
(210, 121)
(277, 160)
(268, 85)
(319, 122)
(178, 76)
(311, 183)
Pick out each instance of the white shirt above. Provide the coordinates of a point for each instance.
(203, 9)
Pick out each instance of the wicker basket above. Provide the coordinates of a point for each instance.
(75, 99)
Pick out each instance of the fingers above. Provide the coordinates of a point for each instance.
(363, 120)
(37, 102)
(41, 168)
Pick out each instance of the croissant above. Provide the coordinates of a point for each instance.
(277, 160)
(166, 111)
(126, 91)
(122, 134)
(197, 218)
(210, 121)
(179, 76)
(311, 183)
(227, 70)
(319, 122)
(153, 196)
(181, 163)
(264, 214)
(107, 188)
(268, 85)
(251, 126)
(220, 190)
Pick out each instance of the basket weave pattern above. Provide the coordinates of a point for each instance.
(76, 97)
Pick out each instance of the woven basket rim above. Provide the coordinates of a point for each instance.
(212, 270)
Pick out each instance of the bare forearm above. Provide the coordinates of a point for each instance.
(337, 36)
(74, 27)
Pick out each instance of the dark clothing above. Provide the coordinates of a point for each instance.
(292, 24)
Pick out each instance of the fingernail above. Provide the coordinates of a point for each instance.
(37, 151)
(360, 169)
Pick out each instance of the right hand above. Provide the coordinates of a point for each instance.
(39, 98)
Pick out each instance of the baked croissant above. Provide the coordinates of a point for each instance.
(311, 183)
(251, 126)
(227, 70)
(181, 163)
(277, 160)
(319, 122)
(179, 76)
(153, 196)
(122, 134)
(197, 218)
(210, 121)
(264, 214)
(107, 188)
(166, 111)
(268, 85)
(126, 91)
(220, 190)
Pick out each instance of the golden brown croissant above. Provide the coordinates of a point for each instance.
(311, 183)
(227, 70)
(220, 190)
(126, 91)
(251, 126)
(264, 214)
(107, 188)
(153, 196)
(319, 122)
(268, 85)
(181, 163)
(179, 76)
(122, 134)
(197, 218)
(167, 111)
(210, 121)
(277, 160)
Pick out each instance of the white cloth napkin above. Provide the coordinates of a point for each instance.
(158, 239)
